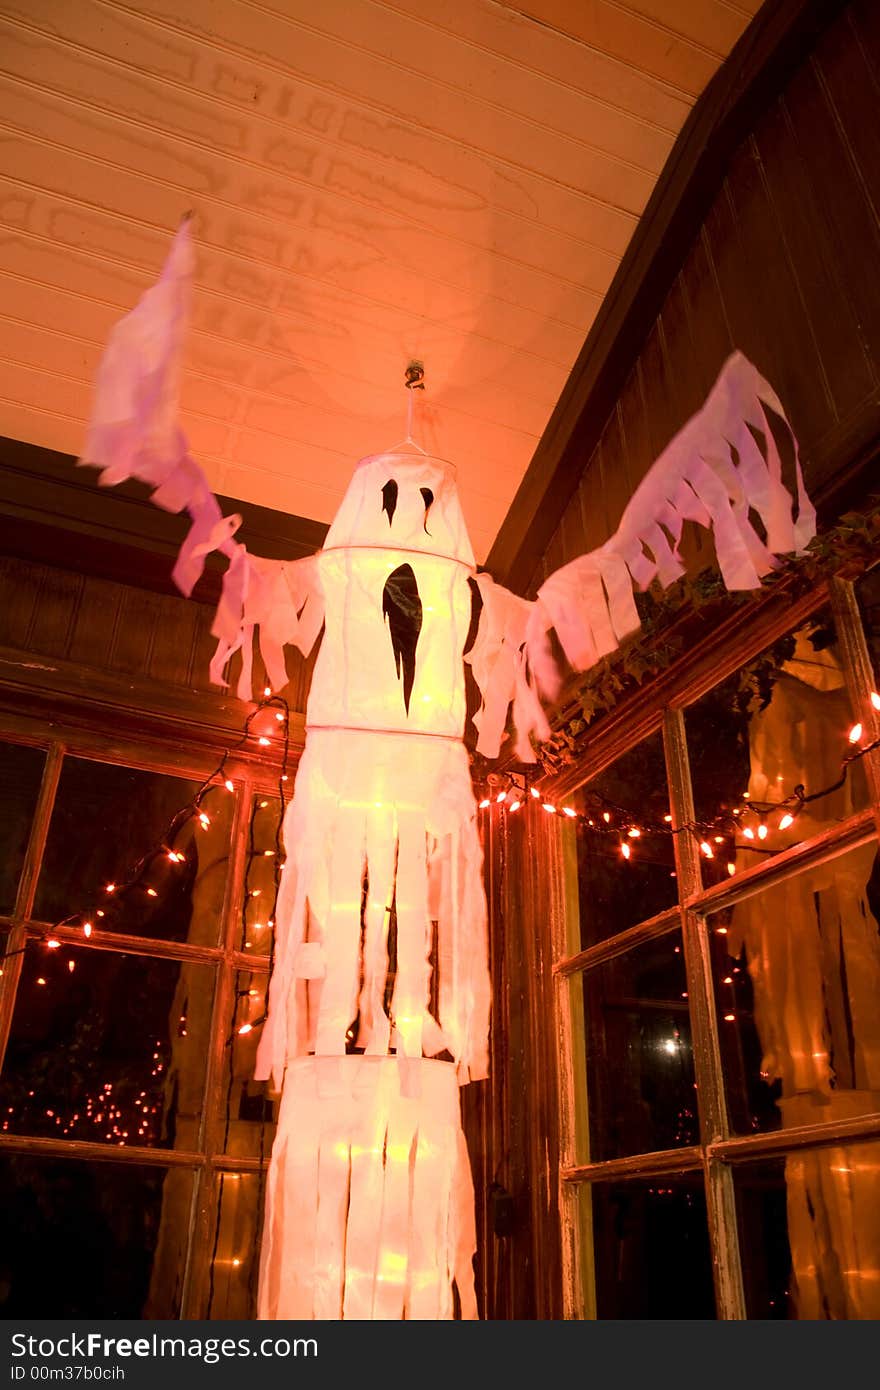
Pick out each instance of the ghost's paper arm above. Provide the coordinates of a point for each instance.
(135, 433)
(714, 472)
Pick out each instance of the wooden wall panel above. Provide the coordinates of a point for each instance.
(781, 269)
(108, 627)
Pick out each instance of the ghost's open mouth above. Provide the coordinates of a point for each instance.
(402, 608)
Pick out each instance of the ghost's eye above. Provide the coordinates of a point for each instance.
(389, 499)
(428, 496)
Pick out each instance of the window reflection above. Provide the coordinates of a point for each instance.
(264, 844)
(616, 891)
(21, 771)
(251, 1107)
(107, 1047)
(868, 596)
(779, 723)
(810, 1233)
(797, 979)
(105, 820)
(640, 1071)
(91, 1239)
(234, 1268)
(651, 1245)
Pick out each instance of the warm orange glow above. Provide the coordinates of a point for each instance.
(245, 1028)
(87, 928)
(567, 811)
(749, 832)
(484, 804)
(53, 943)
(229, 785)
(514, 806)
(762, 832)
(707, 849)
(855, 733)
(502, 796)
(731, 869)
(625, 851)
(263, 741)
(551, 810)
(875, 699)
(786, 821)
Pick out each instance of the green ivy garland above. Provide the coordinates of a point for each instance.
(853, 541)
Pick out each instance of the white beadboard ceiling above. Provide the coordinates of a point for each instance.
(373, 180)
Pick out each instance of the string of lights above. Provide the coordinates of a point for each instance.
(752, 820)
(138, 879)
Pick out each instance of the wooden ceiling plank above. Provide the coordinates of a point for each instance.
(230, 361)
(61, 218)
(712, 25)
(447, 58)
(627, 36)
(358, 134)
(337, 238)
(334, 65)
(498, 29)
(394, 157)
(378, 354)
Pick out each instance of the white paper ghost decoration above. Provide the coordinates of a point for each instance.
(369, 1208)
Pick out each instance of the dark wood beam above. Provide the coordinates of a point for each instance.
(56, 513)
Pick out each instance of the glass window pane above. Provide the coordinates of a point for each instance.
(112, 1050)
(616, 892)
(252, 1109)
(83, 1240)
(106, 819)
(235, 1266)
(868, 595)
(797, 980)
(640, 1065)
(21, 771)
(810, 1233)
(264, 844)
(651, 1244)
(779, 723)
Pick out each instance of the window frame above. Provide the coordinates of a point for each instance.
(210, 1162)
(662, 707)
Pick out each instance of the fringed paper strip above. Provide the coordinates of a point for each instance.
(398, 809)
(713, 473)
(369, 1204)
(498, 661)
(134, 433)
